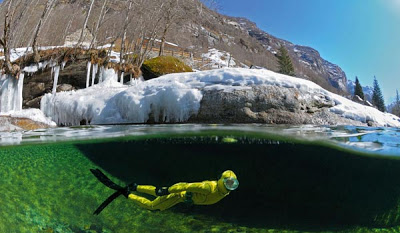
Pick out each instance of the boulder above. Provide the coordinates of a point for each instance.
(8, 123)
(268, 104)
(159, 66)
(65, 87)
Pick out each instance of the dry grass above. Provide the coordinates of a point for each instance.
(64, 55)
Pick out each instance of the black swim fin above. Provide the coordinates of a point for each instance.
(109, 183)
(104, 179)
(106, 202)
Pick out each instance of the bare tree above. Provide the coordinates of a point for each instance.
(103, 13)
(172, 12)
(6, 37)
(49, 5)
(85, 23)
(125, 28)
(177, 11)
(65, 33)
(149, 26)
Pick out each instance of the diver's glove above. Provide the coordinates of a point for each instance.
(128, 189)
(163, 191)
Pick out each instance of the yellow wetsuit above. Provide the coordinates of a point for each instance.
(201, 193)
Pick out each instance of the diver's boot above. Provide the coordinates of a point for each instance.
(128, 189)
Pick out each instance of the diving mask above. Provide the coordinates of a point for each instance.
(231, 183)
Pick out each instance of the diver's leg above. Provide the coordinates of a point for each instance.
(160, 203)
(151, 190)
(148, 189)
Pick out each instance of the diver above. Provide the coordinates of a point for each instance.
(201, 193)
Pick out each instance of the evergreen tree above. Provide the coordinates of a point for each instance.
(285, 63)
(358, 89)
(377, 97)
(396, 107)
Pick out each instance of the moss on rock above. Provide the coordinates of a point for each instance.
(159, 66)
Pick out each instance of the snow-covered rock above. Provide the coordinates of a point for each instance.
(242, 95)
(27, 119)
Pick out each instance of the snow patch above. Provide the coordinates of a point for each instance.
(219, 59)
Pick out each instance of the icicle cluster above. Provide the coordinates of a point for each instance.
(11, 93)
(94, 68)
(56, 71)
(88, 66)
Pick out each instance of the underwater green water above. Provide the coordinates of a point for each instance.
(286, 185)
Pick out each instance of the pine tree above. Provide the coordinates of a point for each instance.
(396, 107)
(358, 89)
(285, 63)
(377, 97)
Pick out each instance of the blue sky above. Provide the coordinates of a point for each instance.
(362, 37)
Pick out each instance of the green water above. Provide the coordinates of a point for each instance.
(286, 185)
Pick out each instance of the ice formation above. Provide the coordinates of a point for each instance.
(101, 74)
(20, 87)
(112, 102)
(88, 73)
(122, 78)
(175, 97)
(63, 65)
(94, 72)
(11, 93)
(56, 71)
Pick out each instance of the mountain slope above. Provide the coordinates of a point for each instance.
(307, 61)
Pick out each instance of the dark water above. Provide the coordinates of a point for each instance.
(293, 179)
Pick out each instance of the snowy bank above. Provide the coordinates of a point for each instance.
(178, 98)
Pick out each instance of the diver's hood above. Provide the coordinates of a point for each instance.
(227, 182)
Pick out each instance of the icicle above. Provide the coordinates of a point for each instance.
(3, 93)
(94, 72)
(63, 65)
(122, 78)
(101, 74)
(131, 77)
(20, 87)
(55, 82)
(88, 74)
(10, 93)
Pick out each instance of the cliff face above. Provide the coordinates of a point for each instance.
(240, 37)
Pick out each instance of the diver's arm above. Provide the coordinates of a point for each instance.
(200, 187)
